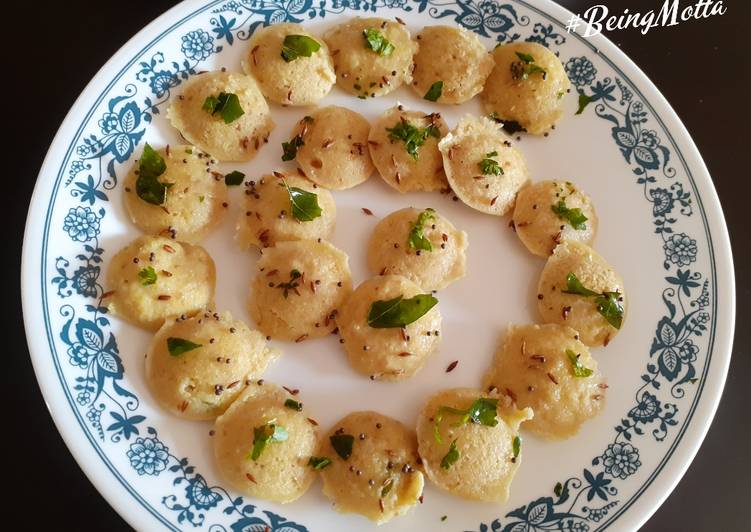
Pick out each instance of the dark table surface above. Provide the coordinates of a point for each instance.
(55, 48)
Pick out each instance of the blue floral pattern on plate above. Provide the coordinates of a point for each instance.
(578, 503)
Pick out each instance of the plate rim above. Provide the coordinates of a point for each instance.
(697, 423)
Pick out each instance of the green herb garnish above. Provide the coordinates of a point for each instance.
(387, 485)
(399, 312)
(319, 463)
(525, 67)
(558, 489)
(516, 446)
(434, 92)
(265, 434)
(482, 411)
(342, 444)
(227, 105)
(292, 284)
(150, 166)
(417, 238)
(575, 217)
(576, 366)
(295, 46)
(575, 286)
(147, 276)
(289, 149)
(413, 137)
(178, 346)
(584, 101)
(304, 204)
(489, 166)
(234, 178)
(608, 303)
(527, 58)
(444, 517)
(293, 405)
(610, 308)
(512, 127)
(376, 41)
(451, 457)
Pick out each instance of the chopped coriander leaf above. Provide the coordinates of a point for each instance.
(439, 417)
(482, 411)
(584, 101)
(525, 67)
(516, 446)
(575, 217)
(189, 151)
(376, 41)
(234, 178)
(417, 238)
(399, 312)
(489, 166)
(413, 137)
(150, 166)
(295, 46)
(342, 444)
(201, 198)
(451, 456)
(227, 105)
(178, 346)
(293, 405)
(576, 366)
(434, 92)
(608, 303)
(289, 149)
(318, 463)
(265, 434)
(575, 286)
(147, 276)
(304, 204)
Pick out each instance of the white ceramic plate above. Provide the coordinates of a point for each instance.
(661, 227)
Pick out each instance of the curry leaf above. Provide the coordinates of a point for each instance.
(399, 312)
(178, 346)
(150, 167)
(342, 444)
